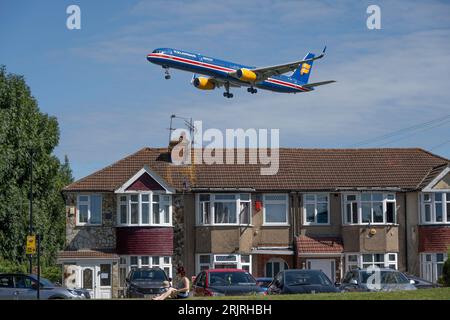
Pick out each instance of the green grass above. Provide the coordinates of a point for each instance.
(423, 294)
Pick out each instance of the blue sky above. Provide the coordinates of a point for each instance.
(110, 101)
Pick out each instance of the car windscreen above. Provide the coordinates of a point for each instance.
(230, 279)
(44, 282)
(386, 277)
(150, 275)
(306, 278)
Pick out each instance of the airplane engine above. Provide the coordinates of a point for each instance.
(203, 83)
(246, 75)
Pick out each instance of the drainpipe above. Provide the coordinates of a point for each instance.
(294, 227)
(406, 233)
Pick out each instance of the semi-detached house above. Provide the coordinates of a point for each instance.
(328, 209)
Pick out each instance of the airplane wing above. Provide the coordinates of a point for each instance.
(310, 85)
(219, 82)
(266, 72)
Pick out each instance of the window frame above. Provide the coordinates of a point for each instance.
(150, 203)
(213, 261)
(359, 202)
(433, 264)
(161, 263)
(360, 263)
(315, 202)
(285, 202)
(200, 216)
(445, 203)
(88, 203)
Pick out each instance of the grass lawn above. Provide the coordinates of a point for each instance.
(423, 294)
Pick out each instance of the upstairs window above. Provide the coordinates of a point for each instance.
(223, 209)
(315, 209)
(370, 208)
(275, 209)
(143, 209)
(435, 207)
(89, 209)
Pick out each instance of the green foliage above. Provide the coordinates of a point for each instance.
(52, 273)
(24, 128)
(445, 279)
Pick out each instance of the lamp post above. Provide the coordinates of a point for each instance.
(30, 232)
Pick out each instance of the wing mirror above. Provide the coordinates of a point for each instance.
(412, 281)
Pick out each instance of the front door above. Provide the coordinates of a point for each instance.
(96, 278)
(327, 266)
(88, 280)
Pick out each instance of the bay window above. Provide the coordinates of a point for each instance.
(207, 261)
(366, 260)
(435, 207)
(133, 262)
(369, 208)
(315, 209)
(223, 209)
(275, 209)
(89, 209)
(143, 209)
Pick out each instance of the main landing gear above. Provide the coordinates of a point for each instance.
(227, 93)
(252, 90)
(166, 73)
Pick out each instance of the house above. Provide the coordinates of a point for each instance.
(328, 209)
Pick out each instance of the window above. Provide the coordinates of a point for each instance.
(275, 209)
(89, 208)
(144, 209)
(133, 262)
(105, 275)
(274, 266)
(370, 208)
(223, 209)
(315, 209)
(365, 260)
(435, 207)
(432, 265)
(223, 261)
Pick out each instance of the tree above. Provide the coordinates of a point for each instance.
(446, 271)
(24, 128)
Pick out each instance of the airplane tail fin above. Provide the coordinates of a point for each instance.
(302, 73)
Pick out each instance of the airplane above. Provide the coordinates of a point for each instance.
(228, 74)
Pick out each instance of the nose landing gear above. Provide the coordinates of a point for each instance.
(227, 93)
(166, 73)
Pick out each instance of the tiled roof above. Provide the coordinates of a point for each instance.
(309, 244)
(299, 169)
(87, 254)
(432, 173)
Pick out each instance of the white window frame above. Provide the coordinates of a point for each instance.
(428, 269)
(359, 202)
(286, 202)
(445, 203)
(281, 261)
(212, 200)
(360, 264)
(88, 203)
(161, 262)
(213, 261)
(162, 202)
(315, 202)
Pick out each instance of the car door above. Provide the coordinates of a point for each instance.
(24, 287)
(7, 290)
(200, 284)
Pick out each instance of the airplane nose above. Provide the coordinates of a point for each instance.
(150, 58)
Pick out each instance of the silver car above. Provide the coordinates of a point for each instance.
(18, 286)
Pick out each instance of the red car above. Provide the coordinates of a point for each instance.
(225, 282)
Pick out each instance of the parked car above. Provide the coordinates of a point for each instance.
(264, 282)
(420, 283)
(301, 281)
(146, 282)
(390, 280)
(19, 286)
(225, 282)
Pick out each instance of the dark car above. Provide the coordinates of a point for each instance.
(301, 281)
(420, 283)
(225, 282)
(388, 280)
(264, 282)
(19, 286)
(146, 282)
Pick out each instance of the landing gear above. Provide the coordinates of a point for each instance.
(166, 73)
(227, 93)
(252, 90)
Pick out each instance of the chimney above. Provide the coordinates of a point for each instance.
(183, 143)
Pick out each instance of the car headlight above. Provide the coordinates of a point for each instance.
(74, 292)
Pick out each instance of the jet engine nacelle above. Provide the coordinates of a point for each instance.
(203, 83)
(246, 75)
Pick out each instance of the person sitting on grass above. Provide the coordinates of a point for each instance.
(180, 291)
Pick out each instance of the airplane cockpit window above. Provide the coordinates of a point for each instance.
(157, 51)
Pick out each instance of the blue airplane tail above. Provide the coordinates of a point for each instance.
(302, 73)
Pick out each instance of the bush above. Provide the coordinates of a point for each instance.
(446, 272)
(9, 266)
(52, 273)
